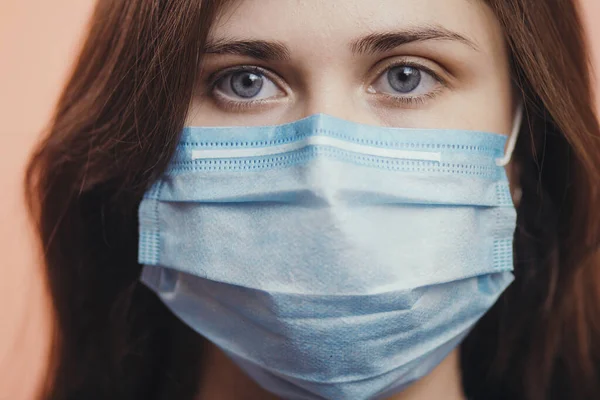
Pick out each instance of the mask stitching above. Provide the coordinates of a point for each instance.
(307, 154)
(402, 145)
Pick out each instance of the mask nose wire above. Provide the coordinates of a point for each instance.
(512, 140)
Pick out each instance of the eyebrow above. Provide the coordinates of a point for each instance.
(258, 49)
(386, 41)
(380, 42)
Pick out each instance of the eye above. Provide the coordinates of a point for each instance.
(246, 84)
(405, 81)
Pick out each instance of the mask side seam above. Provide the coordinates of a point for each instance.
(149, 227)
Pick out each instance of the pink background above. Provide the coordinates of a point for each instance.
(38, 39)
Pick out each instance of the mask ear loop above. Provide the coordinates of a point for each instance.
(512, 140)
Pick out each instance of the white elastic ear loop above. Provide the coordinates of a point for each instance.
(512, 139)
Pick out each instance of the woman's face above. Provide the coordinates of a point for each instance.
(401, 63)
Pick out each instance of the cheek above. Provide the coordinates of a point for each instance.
(205, 113)
(464, 109)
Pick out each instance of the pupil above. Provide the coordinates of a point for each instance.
(404, 79)
(404, 75)
(249, 80)
(246, 84)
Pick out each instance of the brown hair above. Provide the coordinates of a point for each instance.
(116, 126)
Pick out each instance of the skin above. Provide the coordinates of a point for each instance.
(465, 83)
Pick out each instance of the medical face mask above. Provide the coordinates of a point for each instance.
(330, 259)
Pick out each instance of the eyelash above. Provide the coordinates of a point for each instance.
(214, 79)
(412, 100)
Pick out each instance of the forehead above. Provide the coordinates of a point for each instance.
(319, 23)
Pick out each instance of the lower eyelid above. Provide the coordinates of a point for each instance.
(394, 101)
(233, 105)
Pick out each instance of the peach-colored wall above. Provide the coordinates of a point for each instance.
(38, 39)
(591, 12)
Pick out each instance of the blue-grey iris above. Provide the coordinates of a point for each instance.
(246, 84)
(404, 79)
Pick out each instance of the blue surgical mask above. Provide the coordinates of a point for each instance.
(330, 259)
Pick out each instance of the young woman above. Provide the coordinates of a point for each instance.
(316, 197)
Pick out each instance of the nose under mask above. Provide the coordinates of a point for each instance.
(329, 259)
